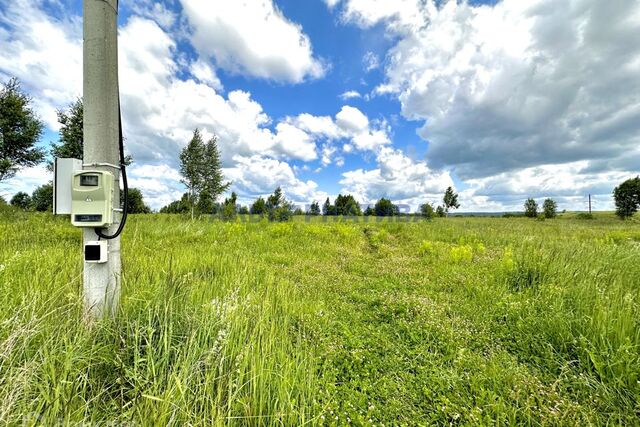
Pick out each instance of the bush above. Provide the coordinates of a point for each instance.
(584, 215)
(21, 200)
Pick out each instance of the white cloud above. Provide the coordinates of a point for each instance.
(26, 180)
(350, 94)
(517, 84)
(44, 52)
(156, 11)
(371, 61)
(258, 176)
(397, 177)
(351, 119)
(206, 74)
(252, 37)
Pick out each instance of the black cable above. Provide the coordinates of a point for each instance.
(123, 170)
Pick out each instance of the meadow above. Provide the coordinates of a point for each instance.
(454, 321)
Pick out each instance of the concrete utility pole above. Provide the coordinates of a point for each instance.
(101, 138)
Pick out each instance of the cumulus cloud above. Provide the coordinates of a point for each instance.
(350, 94)
(397, 177)
(253, 38)
(160, 107)
(258, 176)
(44, 52)
(517, 84)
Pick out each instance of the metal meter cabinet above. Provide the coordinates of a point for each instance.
(91, 199)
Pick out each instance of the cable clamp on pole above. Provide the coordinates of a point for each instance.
(108, 165)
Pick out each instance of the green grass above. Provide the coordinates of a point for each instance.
(465, 321)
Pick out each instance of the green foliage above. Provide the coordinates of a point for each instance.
(328, 209)
(21, 200)
(427, 211)
(369, 211)
(530, 208)
(71, 133)
(450, 200)
(181, 206)
(627, 197)
(205, 204)
(201, 171)
(71, 140)
(135, 202)
(347, 206)
(584, 215)
(229, 210)
(314, 209)
(243, 210)
(259, 207)
(20, 130)
(42, 198)
(384, 207)
(550, 208)
(278, 208)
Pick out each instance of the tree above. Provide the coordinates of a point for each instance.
(440, 212)
(550, 208)
(328, 208)
(427, 211)
(201, 171)
(259, 207)
(229, 209)
(205, 204)
(20, 130)
(530, 208)
(179, 206)
(314, 209)
(71, 142)
(21, 200)
(279, 208)
(450, 200)
(243, 210)
(627, 197)
(42, 198)
(347, 206)
(135, 202)
(71, 133)
(369, 211)
(192, 159)
(212, 178)
(384, 207)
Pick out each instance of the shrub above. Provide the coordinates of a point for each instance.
(21, 200)
(462, 253)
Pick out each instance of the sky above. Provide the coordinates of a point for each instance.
(503, 100)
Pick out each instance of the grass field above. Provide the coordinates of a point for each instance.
(458, 321)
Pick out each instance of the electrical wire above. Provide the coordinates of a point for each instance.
(125, 185)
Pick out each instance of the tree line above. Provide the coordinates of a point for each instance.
(200, 167)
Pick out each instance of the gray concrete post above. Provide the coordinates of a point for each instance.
(101, 133)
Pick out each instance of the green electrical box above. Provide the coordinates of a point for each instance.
(91, 199)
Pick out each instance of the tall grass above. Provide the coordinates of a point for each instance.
(453, 321)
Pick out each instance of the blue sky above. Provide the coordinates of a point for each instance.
(374, 98)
